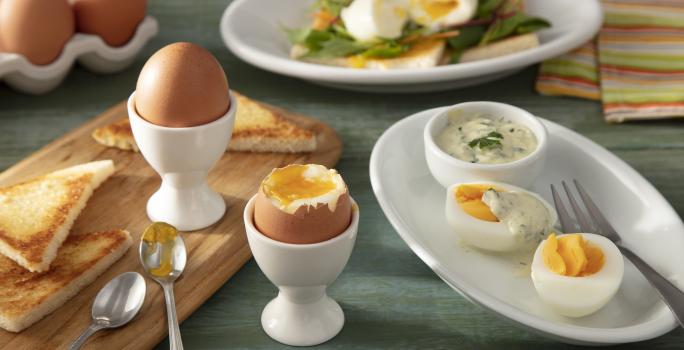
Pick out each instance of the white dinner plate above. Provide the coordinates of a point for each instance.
(413, 202)
(253, 30)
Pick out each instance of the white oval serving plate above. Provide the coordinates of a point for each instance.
(90, 51)
(253, 30)
(413, 201)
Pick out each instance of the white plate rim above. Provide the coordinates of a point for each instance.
(569, 333)
(286, 66)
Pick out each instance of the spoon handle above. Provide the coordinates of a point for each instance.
(175, 341)
(94, 327)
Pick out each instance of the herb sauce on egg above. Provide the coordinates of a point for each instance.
(484, 138)
(524, 214)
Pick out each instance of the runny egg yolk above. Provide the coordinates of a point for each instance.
(572, 255)
(290, 183)
(438, 8)
(164, 235)
(469, 198)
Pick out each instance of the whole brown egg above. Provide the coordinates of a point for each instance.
(182, 85)
(115, 21)
(36, 29)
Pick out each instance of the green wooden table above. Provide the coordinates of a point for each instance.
(390, 297)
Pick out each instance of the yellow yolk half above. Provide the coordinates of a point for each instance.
(572, 255)
(438, 8)
(290, 183)
(165, 235)
(469, 198)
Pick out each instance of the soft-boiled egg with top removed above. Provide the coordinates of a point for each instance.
(577, 274)
(368, 20)
(302, 204)
(497, 216)
(437, 14)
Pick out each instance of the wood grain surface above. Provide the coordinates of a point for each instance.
(214, 253)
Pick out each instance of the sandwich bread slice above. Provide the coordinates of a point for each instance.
(26, 297)
(36, 215)
(501, 48)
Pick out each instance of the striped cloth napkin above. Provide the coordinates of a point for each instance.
(635, 66)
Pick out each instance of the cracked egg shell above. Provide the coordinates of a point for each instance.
(309, 222)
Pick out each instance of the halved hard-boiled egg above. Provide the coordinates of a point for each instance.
(442, 13)
(577, 274)
(302, 204)
(368, 20)
(497, 216)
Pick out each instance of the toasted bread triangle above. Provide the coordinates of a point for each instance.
(36, 215)
(258, 128)
(26, 297)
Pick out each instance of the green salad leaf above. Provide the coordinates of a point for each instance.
(517, 24)
(467, 38)
(486, 8)
(386, 49)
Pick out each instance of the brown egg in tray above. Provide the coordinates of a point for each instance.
(104, 37)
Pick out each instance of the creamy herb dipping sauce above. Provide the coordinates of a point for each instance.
(484, 138)
(525, 215)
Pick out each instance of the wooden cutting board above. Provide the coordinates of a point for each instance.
(214, 254)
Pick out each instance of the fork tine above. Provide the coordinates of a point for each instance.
(584, 224)
(603, 224)
(567, 224)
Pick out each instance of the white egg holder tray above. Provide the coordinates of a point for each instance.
(90, 51)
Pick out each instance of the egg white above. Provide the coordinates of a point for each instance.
(315, 171)
(463, 12)
(487, 235)
(579, 296)
(368, 20)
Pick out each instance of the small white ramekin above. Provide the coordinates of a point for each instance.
(448, 170)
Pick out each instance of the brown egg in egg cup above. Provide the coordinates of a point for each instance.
(302, 248)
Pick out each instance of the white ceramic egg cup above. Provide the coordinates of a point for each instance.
(183, 158)
(90, 51)
(302, 314)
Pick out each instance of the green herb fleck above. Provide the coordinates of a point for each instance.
(489, 141)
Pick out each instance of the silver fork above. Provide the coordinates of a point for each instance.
(595, 222)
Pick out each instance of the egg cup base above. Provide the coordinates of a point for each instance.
(302, 324)
(302, 314)
(187, 209)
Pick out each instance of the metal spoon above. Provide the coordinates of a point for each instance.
(115, 305)
(150, 259)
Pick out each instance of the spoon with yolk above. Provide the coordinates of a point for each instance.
(163, 256)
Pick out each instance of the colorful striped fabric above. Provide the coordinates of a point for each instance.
(573, 74)
(640, 58)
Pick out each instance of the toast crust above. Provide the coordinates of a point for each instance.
(26, 297)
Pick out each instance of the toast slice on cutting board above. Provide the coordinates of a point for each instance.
(258, 128)
(261, 128)
(36, 215)
(26, 297)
